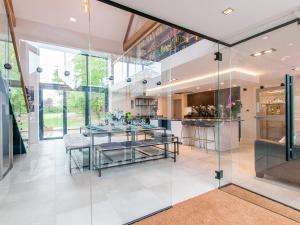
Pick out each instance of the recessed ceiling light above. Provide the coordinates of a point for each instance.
(209, 89)
(72, 19)
(257, 54)
(234, 85)
(265, 37)
(222, 83)
(227, 11)
(298, 53)
(290, 44)
(173, 79)
(283, 59)
(269, 51)
(197, 88)
(296, 69)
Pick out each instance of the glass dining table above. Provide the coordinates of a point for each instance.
(129, 147)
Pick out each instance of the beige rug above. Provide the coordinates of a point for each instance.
(263, 202)
(217, 208)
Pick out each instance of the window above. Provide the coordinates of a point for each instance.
(97, 70)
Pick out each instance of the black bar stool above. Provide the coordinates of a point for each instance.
(206, 126)
(185, 125)
(199, 132)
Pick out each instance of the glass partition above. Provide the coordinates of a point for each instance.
(132, 157)
(53, 177)
(123, 128)
(259, 162)
(4, 116)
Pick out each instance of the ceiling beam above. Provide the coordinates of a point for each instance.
(11, 22)
(145, 29)
(128, 27)
(10, 11)
(131, 10)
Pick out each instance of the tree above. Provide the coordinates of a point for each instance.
(97, 72)
(55, 77)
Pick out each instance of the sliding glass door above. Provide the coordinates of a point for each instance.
(75, 107)
(52, 113)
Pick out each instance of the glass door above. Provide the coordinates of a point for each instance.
(259, 162)
(75, 116)
(296, 128)
(52, 113)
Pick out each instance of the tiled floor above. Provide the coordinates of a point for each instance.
(40, 191)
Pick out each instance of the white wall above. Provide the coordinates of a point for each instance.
(31, 79)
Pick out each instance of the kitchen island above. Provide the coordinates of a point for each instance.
(224, 131)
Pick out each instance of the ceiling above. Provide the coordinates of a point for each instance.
(202, 16)
(206, 17)
(105, 21)
(270, 67)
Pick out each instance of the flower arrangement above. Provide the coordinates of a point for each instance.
(234, 107)
(205, 111)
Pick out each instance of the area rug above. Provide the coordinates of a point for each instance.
(217, 207)
(263, 202)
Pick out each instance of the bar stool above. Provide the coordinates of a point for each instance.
(209, 125)
(186, 124)
(199, 130)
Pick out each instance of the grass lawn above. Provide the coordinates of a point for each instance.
(55, 120)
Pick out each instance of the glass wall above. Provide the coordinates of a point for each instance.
(119, 131)
(132, 158)
(4, 116)
(260, 162)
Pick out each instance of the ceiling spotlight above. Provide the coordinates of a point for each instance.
(296, 69)
(72, 19)
(128, 79)
(269, 51)
(67, 73)
(256, 54)
(197, 88)
(222, 83)
(145, 81)
(227, 11)
(158, 83)
(234, 85)
(263, 52)
(209, 89)
(265, 37)
(173, 79)
(111, 77)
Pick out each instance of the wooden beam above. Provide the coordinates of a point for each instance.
(11, 20)
(147, 28)
(128, 27)
(10, 9)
